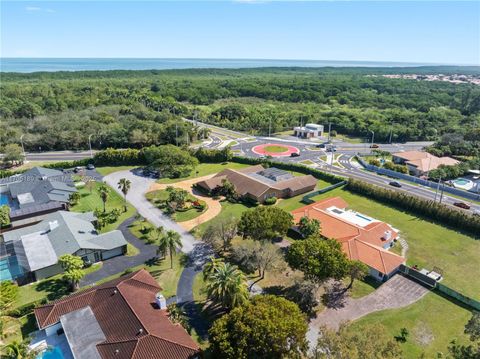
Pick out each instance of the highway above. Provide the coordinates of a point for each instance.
(245, 143)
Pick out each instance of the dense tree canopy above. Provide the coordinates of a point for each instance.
(142, 108)
(319, 259)
(268, 327)
(265, 223)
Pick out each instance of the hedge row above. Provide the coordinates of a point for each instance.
(290, 167)
(116, 157)
(54, 165)
(429, 209)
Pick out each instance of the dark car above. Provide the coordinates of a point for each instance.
(322, 145)
(374, 146)
(331, 149)
(395, 184)
(461, 205)
(294, 154)
(90, 166)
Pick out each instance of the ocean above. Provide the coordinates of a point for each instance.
(69, 64)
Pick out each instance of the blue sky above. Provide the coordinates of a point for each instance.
(431, 32)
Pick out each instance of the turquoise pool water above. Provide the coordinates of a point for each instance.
(9, 268)
(461, 181)
(362, 217)
(52, 353)
(4, 200)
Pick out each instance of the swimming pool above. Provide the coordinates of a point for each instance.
(4, 199)
(461, 181)
(51, 353)
(9, 268)
(363, 217)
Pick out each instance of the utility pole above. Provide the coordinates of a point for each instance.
(438, 187)
(391, 133)
(269, 126)
(373, 136)
(90, 145)
(23, 148)
(329, 130)
(441, 193)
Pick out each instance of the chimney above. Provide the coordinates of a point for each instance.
(52, 225)
(387, 235)
(161, 301)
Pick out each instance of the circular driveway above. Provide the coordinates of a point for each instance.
(275, 150)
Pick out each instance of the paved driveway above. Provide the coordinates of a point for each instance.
(398, 292)
(121, 263)
(136, 197)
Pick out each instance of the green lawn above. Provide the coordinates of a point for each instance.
(432, 323)
(91, 201)
(160, 196)
(430, 244)
(276, 148)
(204, 169)
(107, 170)
(228, 210)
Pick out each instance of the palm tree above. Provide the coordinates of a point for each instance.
(170, 241)
(211, 266)
(124, 186)
(158, 234)
(226, 285)
(104, 193)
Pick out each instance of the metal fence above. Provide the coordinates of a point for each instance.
(307, 199)
(413, 179)
(432, 283)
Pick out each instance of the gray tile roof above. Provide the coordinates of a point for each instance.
(66, 232)
(44, 184)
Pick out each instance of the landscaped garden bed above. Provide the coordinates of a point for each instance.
(178, 203)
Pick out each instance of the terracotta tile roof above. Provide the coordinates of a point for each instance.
(359, 243)
(425, 161)
(126, 312)
(245, 183)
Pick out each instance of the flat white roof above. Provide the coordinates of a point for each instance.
(38, 251)
(25, 198)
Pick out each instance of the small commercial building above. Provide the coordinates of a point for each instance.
(259, 183)
(310, 130)
(419, 163)
(125, 318)
(32, 252)
(362, 238)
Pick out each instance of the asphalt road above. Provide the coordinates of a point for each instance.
(306, 153)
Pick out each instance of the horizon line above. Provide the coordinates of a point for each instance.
(240, 58)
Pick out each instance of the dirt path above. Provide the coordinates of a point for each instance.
(214, 206)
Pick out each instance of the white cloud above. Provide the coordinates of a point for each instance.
(38, 9)
(32, 8)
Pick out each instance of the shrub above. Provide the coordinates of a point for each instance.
(270, 200)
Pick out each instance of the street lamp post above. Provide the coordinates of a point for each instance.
(373, 136)
(90, 145)
(23, 148)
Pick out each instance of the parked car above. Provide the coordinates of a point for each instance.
(321, 145)
(395, 184)
(374, 146)
(77, 169)
(461, 205)
(331, 149)
(294, 154)
(90, 166)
